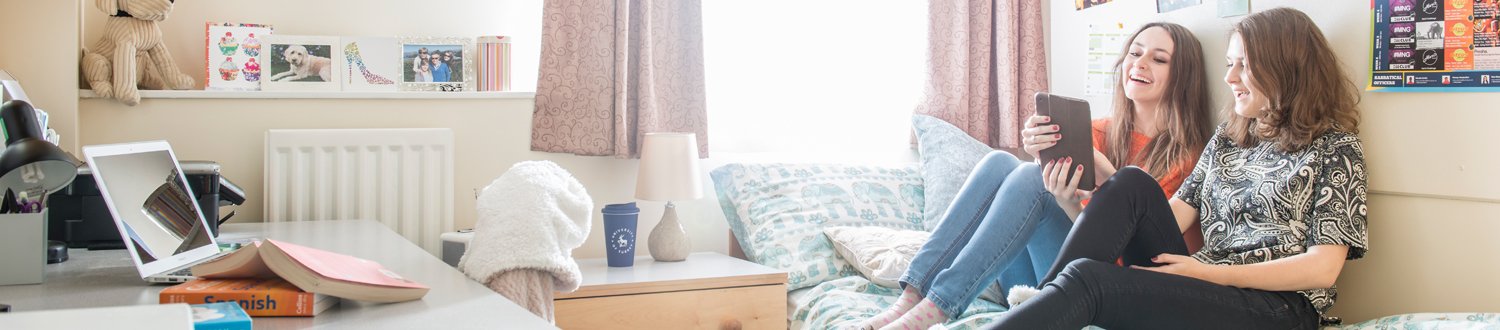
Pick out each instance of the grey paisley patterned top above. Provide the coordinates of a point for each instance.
(1260, 204)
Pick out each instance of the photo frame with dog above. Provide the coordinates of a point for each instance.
(301, 63)
(437, 64)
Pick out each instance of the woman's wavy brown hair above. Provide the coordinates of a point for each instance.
(1292, 66)
(1182, 115)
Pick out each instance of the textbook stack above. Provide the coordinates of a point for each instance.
(257, 296)
(273, 278)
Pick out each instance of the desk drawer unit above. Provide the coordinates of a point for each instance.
(752, 307)
(708, 291)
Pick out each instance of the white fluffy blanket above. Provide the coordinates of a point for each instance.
(532, 217)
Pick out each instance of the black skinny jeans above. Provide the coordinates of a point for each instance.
(1129, 218)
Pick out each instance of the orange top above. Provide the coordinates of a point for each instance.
(1169, 182)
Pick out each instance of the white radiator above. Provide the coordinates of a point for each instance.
(402, 177)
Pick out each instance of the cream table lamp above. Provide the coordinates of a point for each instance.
(669, 172)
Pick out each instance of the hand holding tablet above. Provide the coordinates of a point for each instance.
(1071, 137)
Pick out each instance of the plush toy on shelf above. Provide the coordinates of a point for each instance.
(131, 54)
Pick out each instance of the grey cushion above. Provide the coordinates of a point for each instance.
(948, 155)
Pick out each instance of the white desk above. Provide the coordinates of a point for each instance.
(107, 278)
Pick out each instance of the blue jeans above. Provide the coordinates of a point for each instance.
(1003, 223)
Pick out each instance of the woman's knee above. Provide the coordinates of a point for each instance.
(998, 160)
(990, 172)
(1132, 176)
(1026, 177)
(1085, 271)
(1082, 275)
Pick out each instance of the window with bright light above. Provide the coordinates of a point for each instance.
(812, 76)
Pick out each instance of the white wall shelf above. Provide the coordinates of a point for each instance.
(202, 94)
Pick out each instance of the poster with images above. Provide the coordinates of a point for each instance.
(1163, 6)
(1085, 4)
(1106, 41)
(231, 56)
(1435, 46)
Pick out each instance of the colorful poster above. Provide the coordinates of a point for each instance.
(1084, 4)
(1105, 43)
(1435, 46)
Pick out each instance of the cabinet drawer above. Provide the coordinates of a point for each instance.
(753, 307)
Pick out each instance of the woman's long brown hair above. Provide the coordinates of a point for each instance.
(1292, 66)
(1182, 114)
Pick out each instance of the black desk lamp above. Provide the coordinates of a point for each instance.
(30, 161)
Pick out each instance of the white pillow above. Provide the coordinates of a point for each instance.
(881, 254)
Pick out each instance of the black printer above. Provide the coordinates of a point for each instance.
(77, 215)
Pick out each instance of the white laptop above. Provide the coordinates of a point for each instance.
(152, 206)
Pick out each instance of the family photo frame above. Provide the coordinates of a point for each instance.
(301, 63)
(437, 64)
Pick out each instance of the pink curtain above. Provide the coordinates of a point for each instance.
(612, 71)
(986, 58)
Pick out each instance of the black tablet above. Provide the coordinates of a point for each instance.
(1072, 117)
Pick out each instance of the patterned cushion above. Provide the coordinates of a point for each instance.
(948, 155)
(778, 211)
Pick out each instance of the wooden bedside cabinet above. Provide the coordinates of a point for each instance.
(706, 291)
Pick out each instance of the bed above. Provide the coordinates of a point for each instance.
(843, 303)
(783, 215)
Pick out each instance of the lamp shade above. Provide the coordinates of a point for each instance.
(669, 168)
(28, 160)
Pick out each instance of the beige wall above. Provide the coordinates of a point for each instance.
(1435, 191)
(1428, 254)
(490, 134)
(34, 35)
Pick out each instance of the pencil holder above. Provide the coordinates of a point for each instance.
(23, 247)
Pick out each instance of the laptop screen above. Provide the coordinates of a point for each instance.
(151, 200)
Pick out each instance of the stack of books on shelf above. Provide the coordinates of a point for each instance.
(273, 278)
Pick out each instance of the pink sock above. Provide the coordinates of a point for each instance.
(908, 299)
(922, 316)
